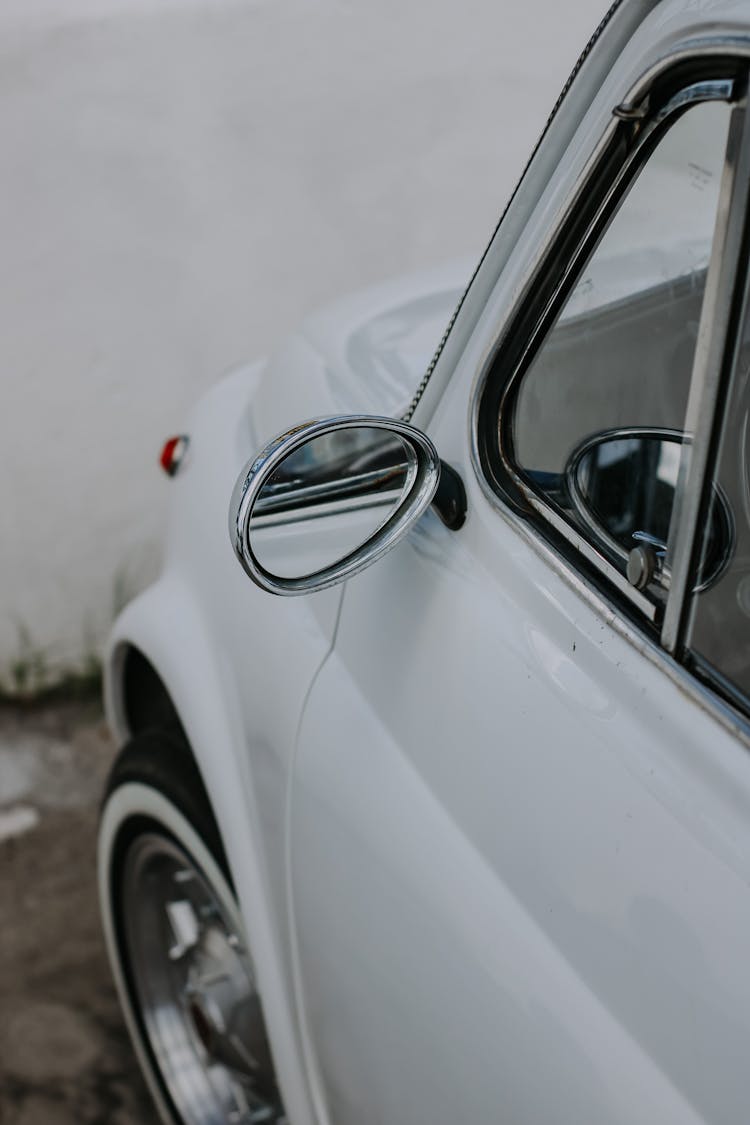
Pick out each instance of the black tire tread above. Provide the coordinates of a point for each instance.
(163, 760)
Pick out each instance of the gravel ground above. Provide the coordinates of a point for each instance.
(65, 1058)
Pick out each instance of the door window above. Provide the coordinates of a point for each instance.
(616, 416)
(598, 417)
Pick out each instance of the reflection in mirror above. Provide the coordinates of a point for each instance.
(328, 497)
(621, 485)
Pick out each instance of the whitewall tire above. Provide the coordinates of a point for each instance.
(176, 944)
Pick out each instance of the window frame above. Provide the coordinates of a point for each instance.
(703, 669)
(638, 125)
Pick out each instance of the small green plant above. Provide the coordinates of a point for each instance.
(32, 675)
(29, 670)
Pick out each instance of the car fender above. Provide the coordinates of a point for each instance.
(163, 623)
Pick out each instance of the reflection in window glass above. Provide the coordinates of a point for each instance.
(626, 484)
(620, 354)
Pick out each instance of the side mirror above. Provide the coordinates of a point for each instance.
(327, 498)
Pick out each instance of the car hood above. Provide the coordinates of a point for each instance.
(364, 354)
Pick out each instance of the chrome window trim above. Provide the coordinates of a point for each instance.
(595, 557)
(577, 261)
(708, 375)
(650, 128)
(733, 50)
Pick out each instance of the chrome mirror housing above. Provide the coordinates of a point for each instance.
(327, 498)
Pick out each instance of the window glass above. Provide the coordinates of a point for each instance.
(599, 415)
(719, 629)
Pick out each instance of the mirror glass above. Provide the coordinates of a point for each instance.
(622, 487)
(328, 497)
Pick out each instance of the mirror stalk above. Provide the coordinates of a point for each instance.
(449, 500)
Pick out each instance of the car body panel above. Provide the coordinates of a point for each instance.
(536, 849)
(498, 845)
(584, 806)
(192, 626)
(363, 354)
(203, 624)
(164, 623)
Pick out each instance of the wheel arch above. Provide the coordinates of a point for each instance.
(161, 647)
(145, 699)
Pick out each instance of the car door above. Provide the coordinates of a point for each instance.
(520, 810)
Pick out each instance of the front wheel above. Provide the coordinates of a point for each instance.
(176, 944)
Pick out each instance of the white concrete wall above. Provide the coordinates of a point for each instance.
(181, 182)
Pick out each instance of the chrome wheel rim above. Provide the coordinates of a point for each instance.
(195, 990)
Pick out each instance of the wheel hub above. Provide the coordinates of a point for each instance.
(224, 1005)
(196, 990)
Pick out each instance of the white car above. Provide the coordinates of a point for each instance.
(475, 822)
